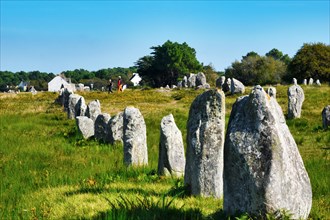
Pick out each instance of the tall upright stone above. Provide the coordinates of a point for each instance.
(135, 138)
(200, 79)
(271, 91)
(73, 100)
(66, 96)
(101, 127)
(191, 80)
(318, 83)
(116, 128)
(263, 170)
(220, 81)
(227, 85)
(294, 81)
(296, 98)
(205, 140)
(236, 87)
(171, 160)
(80, 107)
(311, 81)
(326, 117)
(185, 82)
(85, 126)
(93, 109)
(305, 82)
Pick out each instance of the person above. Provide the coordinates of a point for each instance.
(120, 84)
(110, 86)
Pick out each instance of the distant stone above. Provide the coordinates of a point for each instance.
(167, 87)
(135, 138)
(85, 126)
(171, 160)
(65, 94)
(205, 140)
(311, 81)
(227, 85)
(220, 81)
(296, 98)
(93, 109)
(101, 127)
(326, 117)
(271, 91)
(116, 128)
(80, 107)
(294, 81)
(192, 80)
(200, 79)
(185, 82)
(236, 87)
(263, 170)
(174, 86)
(179, 85)
(318, 82)
(73, 100)
(305, 82)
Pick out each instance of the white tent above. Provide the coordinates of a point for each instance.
(57, 83)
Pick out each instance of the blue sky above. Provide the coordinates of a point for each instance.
(54, 36)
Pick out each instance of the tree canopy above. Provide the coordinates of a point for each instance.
(167, 63)
(311, 60)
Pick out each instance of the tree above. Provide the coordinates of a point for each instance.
(251, 54)
(278, 55)
(311, 60)
(167, 63)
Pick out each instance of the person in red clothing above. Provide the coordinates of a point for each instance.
(120, 84)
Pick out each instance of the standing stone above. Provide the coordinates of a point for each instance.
(220, 81)
(171, 150)
(101, 127)
(179, 85)
(185, 82)
(93, 109)
(236, 87)
(326, 117)
(296, 98)
(205, 139)
(263, 170)
(294, 81)
(305, 82)
(85, 126)
(271, 91)
(192, 80)
(66, 95)
(200, 79)
(80, 107)
(116, 128)
(311, 81)
(226, 86)
(73, 100)
(318, 82)
(135, 138)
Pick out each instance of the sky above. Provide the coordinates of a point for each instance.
(55, 36)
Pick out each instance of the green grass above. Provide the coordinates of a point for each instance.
(49, 172)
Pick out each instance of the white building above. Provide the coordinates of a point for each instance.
(135, 79)
(57, 83)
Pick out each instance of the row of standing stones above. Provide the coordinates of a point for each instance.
(256, 167)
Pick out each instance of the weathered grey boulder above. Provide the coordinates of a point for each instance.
(200, 79)
(171, 160)
(205, 86)
(80, 107)
(296, 98)
(205, 139)
(116, 128)
(294, 81)
(179, 85)
(227, 85)
(318, 82)
(135, 138)
(191, 82)
(64, 98)
(73, 100)
(185, 82)
(85, 126)
(305, 82)
(326, 117)
(236, 87)
(263, 170)
(220, 81)
(93, 109)
(101, 127)
(311, 81)
(271, 91)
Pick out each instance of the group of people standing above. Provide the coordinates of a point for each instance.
(119, 85)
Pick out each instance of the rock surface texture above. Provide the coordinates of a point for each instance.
(326, 117)
(191, 82)
(80, 107)
(220, 81)
(271, 91)
(226, 86)
(296, 98)
(205, 140)
(85, 126)
(116, 128)
(311, 81)
(101, 127)
(263, 170)
(93, 109)
(236, 87)
(171, 150)
(71, 110)
(135, 138)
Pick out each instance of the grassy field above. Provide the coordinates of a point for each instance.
(49, 172)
